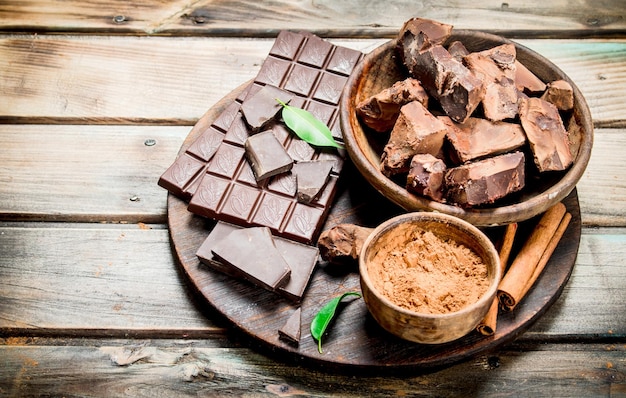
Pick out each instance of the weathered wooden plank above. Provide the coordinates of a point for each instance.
(86, 173)
(105, 79)
(88, 280)
(356, 18)
(95, 279)
(112, 174)
(198, 368)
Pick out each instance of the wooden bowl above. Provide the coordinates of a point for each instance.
(421, 327)
(382, 67)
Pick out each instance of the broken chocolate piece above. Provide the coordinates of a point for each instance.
(426, 176)
(291, 329)
(380, 111)
(456, 88)
(251, 251)
(496, 68)
(417, 34)
(311, 177)
(266, 155)
(301, 259)
(261, 108)
(526, 81)
(477, 138)
(546, 134)
(485, 181)
(342, 243)
(416, 131)
(561, 94)
(458, 50)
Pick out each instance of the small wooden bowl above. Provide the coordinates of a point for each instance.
(421, 327)
(382, 67)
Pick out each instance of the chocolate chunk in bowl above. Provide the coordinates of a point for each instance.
(383, 67)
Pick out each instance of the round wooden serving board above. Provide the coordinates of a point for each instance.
(355, 340)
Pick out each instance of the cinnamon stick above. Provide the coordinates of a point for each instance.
(513, 286)
(487, 326)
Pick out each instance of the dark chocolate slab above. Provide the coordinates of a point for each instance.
(266, 155)
(291, 330)
(315, 72)
(311, 177)
(301, 259)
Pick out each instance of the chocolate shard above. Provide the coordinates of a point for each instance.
(546, 134)
(266, 155)
(485, 181)
(417, 34)
(311, 177)
(302, 260)
(496, 68)
(380, 111)
(458, 50)
(426, 177)
(526, 81)
(291, 330)
(415, 131)
(478, 138)
(261, 108)
(252, 253)
(561, 94)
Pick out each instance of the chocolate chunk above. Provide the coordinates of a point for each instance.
(485, 181)
(380, 111)
(478, 138)
(426, 176)
(311, 177)
(266, 155)
(415, 131)
(291, 329)
(526, 81)
(225, 187)
(417, 34)
(458, 50)
(261, 108)
(546, 134)
(342, 243)
(252, 253)
(561, 94)
(496, 68)
(456, 88)
(301, 259)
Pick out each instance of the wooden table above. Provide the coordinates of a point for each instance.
(95, 102)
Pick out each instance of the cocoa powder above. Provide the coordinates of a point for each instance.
(424, 273)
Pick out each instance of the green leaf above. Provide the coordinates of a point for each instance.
(320, 322)
(307, 127)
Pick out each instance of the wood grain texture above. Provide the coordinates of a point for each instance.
(85, 173)
(195, 368)
(94, 280)
(159, 80)
(339, 18)
(97, 279)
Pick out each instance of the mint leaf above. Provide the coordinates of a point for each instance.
(307, 127)
(322, 319)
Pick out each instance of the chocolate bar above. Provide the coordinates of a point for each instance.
(252, 254)
(262, 107)
(315, 72)
(546, 134)
(485, 181)
(267, 155)
(291, 330)
(300, 258)
(311, 177)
